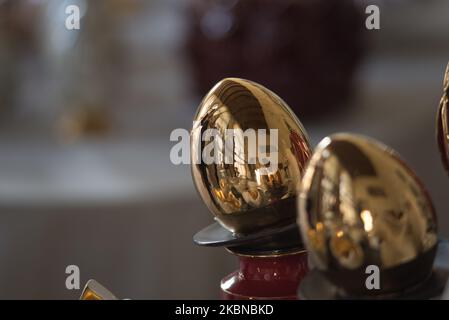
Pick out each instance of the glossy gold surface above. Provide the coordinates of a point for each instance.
(360, 205)
(443, 123)
(235, 191)
(95, 291)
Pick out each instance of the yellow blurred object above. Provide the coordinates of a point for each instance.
(84, 122)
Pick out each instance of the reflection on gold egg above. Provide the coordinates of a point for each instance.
(248, 152)
(443, 123)
(95, 291)
(360, 205)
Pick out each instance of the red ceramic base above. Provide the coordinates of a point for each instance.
(266, 277)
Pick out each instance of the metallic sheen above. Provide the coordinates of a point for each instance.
(443, 123)
(237, 194)
(361, 205)
(95, 291)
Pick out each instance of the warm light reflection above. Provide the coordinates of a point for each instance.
(90, 295)
(367, 220)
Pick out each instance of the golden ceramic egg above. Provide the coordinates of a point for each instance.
(360, 205)
(443, 123)
(248, 152)
(95, 291)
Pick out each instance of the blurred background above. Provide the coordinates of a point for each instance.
(85, 119)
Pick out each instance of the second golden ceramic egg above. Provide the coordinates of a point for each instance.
(361, 205)
(245, 194)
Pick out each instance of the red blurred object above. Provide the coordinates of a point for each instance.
(305, 51)
(267, 277)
